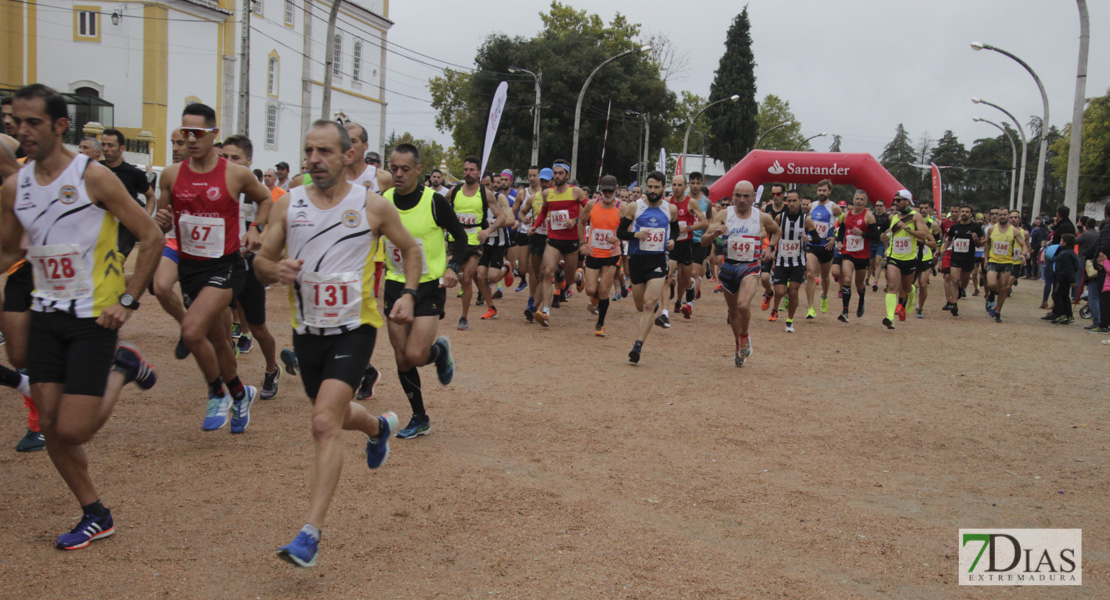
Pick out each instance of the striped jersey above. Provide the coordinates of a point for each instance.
(499, 237)
(790, 252)
(72, 251)
(334, 292)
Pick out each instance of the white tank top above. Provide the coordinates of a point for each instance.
(368, 179)
(744, 243)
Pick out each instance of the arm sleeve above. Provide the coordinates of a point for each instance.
(623, 230)
(874, 231)
(445, 218)
(675, 230)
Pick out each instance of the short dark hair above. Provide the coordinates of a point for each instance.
(198, 109)
(825, 182)
(362, 135)
(778, 185)
(120, 138)
(344, 137)
(793, 191)
(1068, 239)
(243, 143)
(414, 151)
(5, 101)
(1063, 211)
(697, 175)
(258, 173)
(434, 171)
(55, 102)
(658, 176)
(536, 167)
(472, 160)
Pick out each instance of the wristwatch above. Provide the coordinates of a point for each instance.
(129, 302)
(410, 292)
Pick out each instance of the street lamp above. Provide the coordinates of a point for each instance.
(645, 126)
(1038, 186)
(1024, 148)
(812, 137)
(535, 114)
(578, 108)
(1071, 187)
(1013, 150)
(690, 125)
(760, 138)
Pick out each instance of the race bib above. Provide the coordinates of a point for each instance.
(962, 246)
(822, 229)
(560, 219)
(201, 236)
(60, 272)
(469, 222)
(1000, 248)
(541, 229)
(684, 230)
(790, 249)
(902, 245)
(853, 243)
(396, 262)
(655, 241)
(599, 238)
(331, 299)
(743, 249)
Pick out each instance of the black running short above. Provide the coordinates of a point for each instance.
(644, 267)
(564, 246)
(733, 274)
(343, 356)
(72, 351)
(782, 275)
(224, 273)
(429, 302)
(125, 241)
(964, 261)
(536, 244)
(861, 264)
(520, 239)
(701, 253)
(824, 255)
(683, 252)
(493, 257)
(906, 267)
(253, 297)
(18, 288)
(598, 263)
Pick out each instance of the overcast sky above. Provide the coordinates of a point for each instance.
(851, 67)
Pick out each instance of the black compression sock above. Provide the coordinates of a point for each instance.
(9, 377)
(690, 295)
(410, 383)
(846, 296)
(433, 354)
(602, 308)
(235, 386)
(96, 508)
(216, 388)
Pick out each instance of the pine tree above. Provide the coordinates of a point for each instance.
(733, 125)
(899, 156)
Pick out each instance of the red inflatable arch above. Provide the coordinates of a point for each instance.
(768, 166)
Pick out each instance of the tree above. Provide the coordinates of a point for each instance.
(431, 152)
(733, 125)
(899, 156)
(949, 152)
(774, 111)
(1094, 157)
(673, 63)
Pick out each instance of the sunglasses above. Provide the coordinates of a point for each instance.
(197, 132)
(776, 195)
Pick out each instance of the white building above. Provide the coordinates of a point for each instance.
(135, 64)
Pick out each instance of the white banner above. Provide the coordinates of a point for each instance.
(663, 161)
(495, 110)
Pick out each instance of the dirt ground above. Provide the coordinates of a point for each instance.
(840, 462)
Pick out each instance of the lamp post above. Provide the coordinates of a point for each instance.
(535, 114)
(812, 137)
(690, 125)
(1013, 150)
(1024, 148)
(578, 108)
(1071, 187)
(764, 134)
(1038, 186)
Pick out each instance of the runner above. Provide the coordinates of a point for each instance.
(471, 202)
(819, 250)
(435, 181)
(878, 249)
(700, 195)
(202, 194)
(650, 226)
(775, 210)
(790, 260)
(962, 240)
(602, 217)
(537, 241)
(70, 208)
(426, 216)
(134, 180)
(166, 275)
(1002, 238)
(565, 232)
(743, 228)
(327, 230)
(907, 231)
(857, 229)
(925, 258)
(690, 219)
(491, 266)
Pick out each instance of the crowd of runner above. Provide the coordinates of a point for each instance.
(344, 235)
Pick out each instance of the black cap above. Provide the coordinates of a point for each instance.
(373, 157)
(282, 165)
(608, 183)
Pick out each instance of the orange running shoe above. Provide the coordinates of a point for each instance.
(490, 314)
(900, 312)
(581, 281)
(600, 331)
(774, 316)
(509, 279)
(766, 301)
(543, 318)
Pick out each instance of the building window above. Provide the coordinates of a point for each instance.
(256, 7)
(337, 58)
(290, 9)
(356, 62)
(272, 75)
(271, 124)
(86, 23)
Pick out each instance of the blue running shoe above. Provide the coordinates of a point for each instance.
(445, 364)
(216, 415)
(90, 528)
(418, 425)
(134, 367)
(377, 448)
(301, 551)
(241, 410)
(289, 359)
(523, 284)
(245, 343)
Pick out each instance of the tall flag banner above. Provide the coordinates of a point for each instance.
(663, 161)
(678, 170)
(495, 110)
(936, 187)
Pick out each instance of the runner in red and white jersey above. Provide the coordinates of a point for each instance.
(857, 231)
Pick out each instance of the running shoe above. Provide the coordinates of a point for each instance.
(216, 415)
(580, 282)
(634, 355)
(498, 295)
(463, 325)
(1090, 327)
(269, 387)
(370, 380)
(181, 352)
(947, 306)
(697, 293)
(236, 330)
(874, 287)
(1100, 331)
(774, 316)
(509, 278)
(824, 304)
(32, 442)
(843, 318)
(459, 295)
(976, 292)
(1066, 321)
(789, 326)
(718, 289)
(134, 367)
(811, 313)
(377, 448)
(599, 331)
(529, 314)
(418, 425)
(245, 343)
(766, 304)
(289, 359)
(624, 290)
(859, 309)
(543, 318)
(663, 321)
(997, 317)
(1049, 317)
(900, 312)
(963, 293)
(746, 350)
(686, 310)
(490, 314)
(955, 310)
(592, 308)
(738, 360)
(920, 315)
(784, 304)
(90, 528)
(302, 551)
(990, 312)
(480, 301)
(889, 324)
(445, 364)
(672, 289)
(241, 409)
(522, 286)
(555, 301)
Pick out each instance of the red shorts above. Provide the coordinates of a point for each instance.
(946, 261)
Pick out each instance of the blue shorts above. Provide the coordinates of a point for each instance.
(877, 249)
(170, 253)
(733, 274)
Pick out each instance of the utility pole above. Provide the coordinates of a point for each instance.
(647, 140)
(1071, 188)
(244, 69)
(306, 78)
(329, 53)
